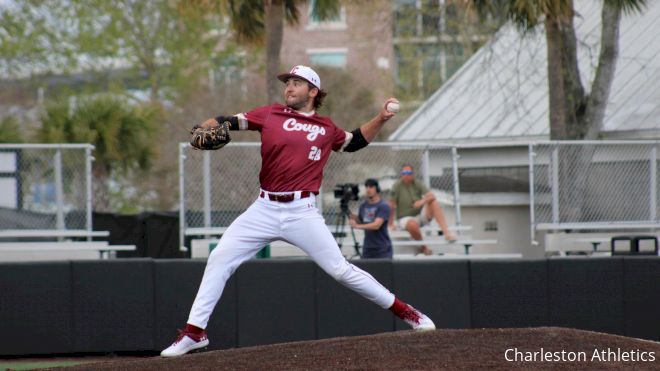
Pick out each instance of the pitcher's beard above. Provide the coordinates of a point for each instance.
(297, 105)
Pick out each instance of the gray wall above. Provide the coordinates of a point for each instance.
(137, 304)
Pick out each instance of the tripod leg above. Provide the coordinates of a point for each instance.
(356, 244)
(339, 229)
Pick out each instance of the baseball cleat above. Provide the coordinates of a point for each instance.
(417, 320)
(185, 343)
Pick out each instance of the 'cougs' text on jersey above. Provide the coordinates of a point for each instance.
(294, 147)
(313, 130)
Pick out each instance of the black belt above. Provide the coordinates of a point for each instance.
(284, 197)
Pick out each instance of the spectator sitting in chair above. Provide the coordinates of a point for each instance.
(414, 206)
(372, 217)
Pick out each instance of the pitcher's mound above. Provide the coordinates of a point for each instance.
(525, 348)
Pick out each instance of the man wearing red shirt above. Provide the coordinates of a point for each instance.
(295, 146)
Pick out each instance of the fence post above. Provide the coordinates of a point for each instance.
(182, 208)
(59, 191)
(88, 183)
(207, 189)
(19, 179)
(554, 179)
(653, 183)
(532, 200)
(425, 167)
(457, 191)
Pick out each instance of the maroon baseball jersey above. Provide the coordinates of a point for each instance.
(294, 147)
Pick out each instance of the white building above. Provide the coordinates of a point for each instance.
(499, 98)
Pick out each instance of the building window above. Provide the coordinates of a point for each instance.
(432, 39)
(335, 58)
(420, 69)
(417, 18)
(490, 226)
(336, 23)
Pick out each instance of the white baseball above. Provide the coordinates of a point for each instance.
(392, 107)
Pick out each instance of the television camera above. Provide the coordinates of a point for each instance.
(345, 193)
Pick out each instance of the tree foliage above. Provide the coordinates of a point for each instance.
(574, 113)
(262, 21)
(168, 48)
(124, 136)
(10, 131)
(121, 133)
(433, 40)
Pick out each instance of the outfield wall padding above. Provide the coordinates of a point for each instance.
(641, 286)
(509, 293)
(342, 312)
(441, 289)
(113, 305)
(137, 304)
(176, 288)
(587, 294)
(36, 308)
(275, 302)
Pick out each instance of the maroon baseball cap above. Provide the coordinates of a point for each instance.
(302, 72)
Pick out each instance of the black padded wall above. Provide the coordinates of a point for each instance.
(113, 305)
(177, 282)
(642, 297)
(342, 312)
(275, 301)
(586, 293)
(440, 289)
(509, 293)
(137, 304)
(35, 308)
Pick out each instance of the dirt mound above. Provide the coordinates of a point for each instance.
(500, 349)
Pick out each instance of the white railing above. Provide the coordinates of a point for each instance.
(46, 191)
(586, 185)
(593, 185)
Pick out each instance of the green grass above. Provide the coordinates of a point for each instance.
(36, 365)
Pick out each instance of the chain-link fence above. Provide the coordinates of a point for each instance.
(383, 162)
(217, 186)
(582, 185)
(45, 188)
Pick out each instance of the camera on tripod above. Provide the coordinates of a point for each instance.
(346, 192)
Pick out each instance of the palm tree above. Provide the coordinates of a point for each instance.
(121, 134)
(259, 21)
(574, 114)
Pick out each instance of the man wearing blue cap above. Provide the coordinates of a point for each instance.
(413, 206)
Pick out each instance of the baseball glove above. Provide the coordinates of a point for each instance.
(211, 138)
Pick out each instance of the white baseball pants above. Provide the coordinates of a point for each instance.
(297, 222)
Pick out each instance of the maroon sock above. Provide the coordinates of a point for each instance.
(398, 307)
(193, 329)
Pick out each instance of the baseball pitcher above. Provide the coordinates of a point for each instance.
(296, 143)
